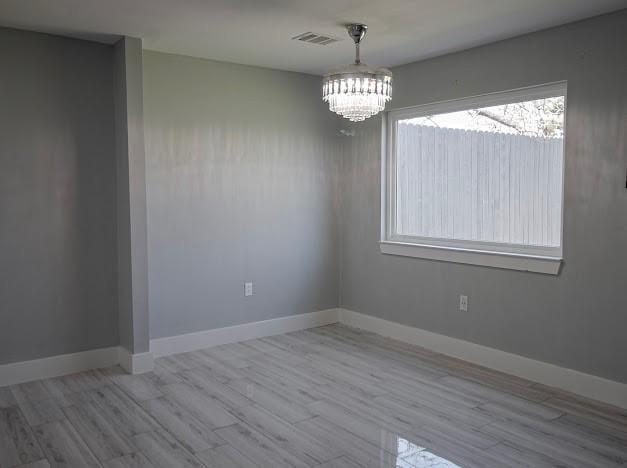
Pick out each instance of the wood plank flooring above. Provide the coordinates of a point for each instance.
(331, 397)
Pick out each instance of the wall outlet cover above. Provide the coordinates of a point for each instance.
(463, 303)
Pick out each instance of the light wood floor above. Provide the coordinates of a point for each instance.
(329, 397)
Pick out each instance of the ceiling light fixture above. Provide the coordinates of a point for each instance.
(357, 91)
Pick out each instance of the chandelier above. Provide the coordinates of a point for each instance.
(357, 91)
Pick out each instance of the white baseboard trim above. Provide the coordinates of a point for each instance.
(136, 363)
(587, 385)
(246, 331)
(54, 366)
(591, 386)
(64, 364)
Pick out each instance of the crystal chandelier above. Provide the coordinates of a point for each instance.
(357, 91)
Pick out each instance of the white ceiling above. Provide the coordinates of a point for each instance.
(259, 32)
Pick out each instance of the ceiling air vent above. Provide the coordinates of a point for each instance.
(315, 38)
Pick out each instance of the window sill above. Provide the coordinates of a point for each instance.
(537, 264)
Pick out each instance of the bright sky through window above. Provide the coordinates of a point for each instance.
(540, 118)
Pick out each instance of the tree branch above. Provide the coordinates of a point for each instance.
(501, 120)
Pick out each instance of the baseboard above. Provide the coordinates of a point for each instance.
(246, 331)
(591, 386)
(136, 363)
(54, 366)
(587, 385)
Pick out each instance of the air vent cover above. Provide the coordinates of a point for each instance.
(315, 38)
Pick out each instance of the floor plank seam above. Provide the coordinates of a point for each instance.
(76, 429)
(155, 421)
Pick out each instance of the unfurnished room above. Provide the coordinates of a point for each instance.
(313, 233)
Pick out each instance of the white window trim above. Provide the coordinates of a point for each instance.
(498, 255)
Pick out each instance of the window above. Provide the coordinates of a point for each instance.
(478, 180)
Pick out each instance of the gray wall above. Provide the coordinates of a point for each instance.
(242, 174)
(58, 291)
(131, 196)
(577, 319)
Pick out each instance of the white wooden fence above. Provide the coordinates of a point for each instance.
(472, 185)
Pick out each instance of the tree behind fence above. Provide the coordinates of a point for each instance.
(494, 187)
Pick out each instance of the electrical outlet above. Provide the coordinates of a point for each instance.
(463, 303)
(248, 289)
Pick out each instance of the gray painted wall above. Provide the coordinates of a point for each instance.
(58, 291)
(131, 196)
(242, 174)
(577, 319)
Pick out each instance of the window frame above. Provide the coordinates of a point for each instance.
(541, 259)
